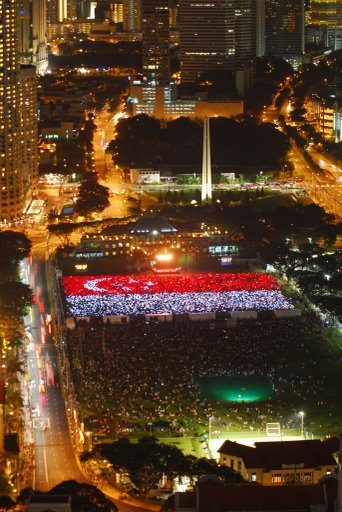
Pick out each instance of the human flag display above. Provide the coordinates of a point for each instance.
(109, 295)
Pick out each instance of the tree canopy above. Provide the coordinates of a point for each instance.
(15, 297)
(14, 247)
(63, 230)
(93, 197)
(147, 460)
(144, 142)
(84, 497)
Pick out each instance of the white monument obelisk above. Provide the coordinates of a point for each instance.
(207, 191)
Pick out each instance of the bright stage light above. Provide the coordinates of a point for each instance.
(164, 256)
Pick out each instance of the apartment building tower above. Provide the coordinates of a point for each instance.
(18, 124)
(220, 34)
(325, 12)
(33, 34)
(132, 15)
(285, 23)
(325, 24)
(156, 40)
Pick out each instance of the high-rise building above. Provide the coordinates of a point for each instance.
(33, 34)
(260, 28)
(17, 106)
(132, 15)
(116, 11)
(325, 24)
(285, 22)
(216, 34)
(25, 31)
(156, 40)
(173, 13)
(62, 10)
(39, 35)
(29, 126)
(326, 12)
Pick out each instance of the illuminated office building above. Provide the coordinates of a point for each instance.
(29, 126)
(115, 12)
(324, 36)
(285, 23)
(220, 34)
(173, 14)
(33, 34)
(325, 12)
(325, 24)
(18, 122)
(132, 15)
(156, 40)
(61, 10)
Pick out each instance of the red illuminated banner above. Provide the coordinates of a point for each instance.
(177, 283)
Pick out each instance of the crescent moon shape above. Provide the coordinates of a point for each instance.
(91, 284)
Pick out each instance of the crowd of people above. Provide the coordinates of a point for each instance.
(168, 283)
(136, 374)
(176, 303)
(175, 293)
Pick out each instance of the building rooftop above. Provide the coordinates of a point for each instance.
(279, 454)
(254, 497)
(153, 224)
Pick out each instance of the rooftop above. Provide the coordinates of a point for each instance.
(254, 497)
(273, 455)
(153, 225)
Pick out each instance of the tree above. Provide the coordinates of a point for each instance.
(84, 497)
(93, 197)
(15, 297)
(5, 488)
(6, 503)
(148, 460)
(202, 467)
(63, 231)
(297, 114)
(87, 133)
(14, 247)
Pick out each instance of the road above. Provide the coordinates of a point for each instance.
(333, 172)
(54, 456)
(323, 188)
(109, 175)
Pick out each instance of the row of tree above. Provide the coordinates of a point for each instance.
(144, 141)
(15, 298)
(315, 270)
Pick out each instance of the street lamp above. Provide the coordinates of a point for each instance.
(301, 414)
